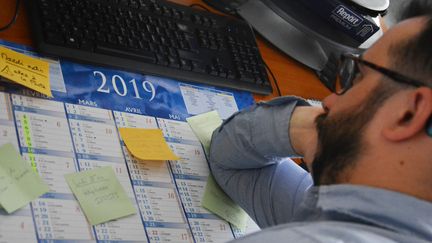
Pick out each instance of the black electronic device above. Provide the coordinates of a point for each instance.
(225, 6)
(151, 37)
(429, 127)
(314, 32)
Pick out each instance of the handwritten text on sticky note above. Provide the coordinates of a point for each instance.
(216, 201)
(25, 70)
(147, 144)
(100, 194)
(19, 184)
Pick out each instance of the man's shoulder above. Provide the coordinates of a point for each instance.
(327, 231)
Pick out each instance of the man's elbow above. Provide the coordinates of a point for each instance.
(214, 147)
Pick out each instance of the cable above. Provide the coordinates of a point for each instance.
(200, 6)
(14, 18)
(267, 67)
(274, 78)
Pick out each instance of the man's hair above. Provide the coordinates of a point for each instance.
(415, 8)
(414, 56)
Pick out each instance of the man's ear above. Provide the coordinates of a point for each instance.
(412, 117)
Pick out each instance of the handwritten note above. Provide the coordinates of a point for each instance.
(215, 199)
(203, 126)
(147, 144)
(19, 184)
(100, 195)
(25, 70)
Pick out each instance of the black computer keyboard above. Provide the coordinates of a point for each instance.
(151, 37)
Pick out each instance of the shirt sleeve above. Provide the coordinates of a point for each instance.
(248, 158)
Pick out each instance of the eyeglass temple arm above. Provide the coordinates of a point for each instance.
(328, 74)
(429, 127)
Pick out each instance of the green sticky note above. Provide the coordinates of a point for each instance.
(203, 126)
(19, 184)
(100, 195)
(216, 201)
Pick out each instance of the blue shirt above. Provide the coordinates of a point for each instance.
(249, 159)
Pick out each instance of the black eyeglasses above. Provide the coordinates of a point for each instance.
(348, 71)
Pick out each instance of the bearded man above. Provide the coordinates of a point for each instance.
(368, 150)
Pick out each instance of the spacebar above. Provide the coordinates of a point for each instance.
(119, 51)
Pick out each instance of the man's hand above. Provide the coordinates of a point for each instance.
(303, 133)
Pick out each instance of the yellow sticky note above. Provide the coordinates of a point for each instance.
(25, 70)
(147, 144)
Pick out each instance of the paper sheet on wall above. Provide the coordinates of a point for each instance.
(19, 184)
(214, 198)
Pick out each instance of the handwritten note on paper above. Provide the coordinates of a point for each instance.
(28, 71)
(100, 195)
(19, 184)
(216, 201)
(203, 126)
(147, 144)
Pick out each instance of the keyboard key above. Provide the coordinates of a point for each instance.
(86, 45)
(173, 62)
(72, 42)
(162, 59)
(185, 64)
(54, 38)
(198, 67)
(141, 55)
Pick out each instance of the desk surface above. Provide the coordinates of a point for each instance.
(293, 77)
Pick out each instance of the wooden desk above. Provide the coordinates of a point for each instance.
(293, 78)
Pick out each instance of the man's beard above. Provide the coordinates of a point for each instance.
(341, 139)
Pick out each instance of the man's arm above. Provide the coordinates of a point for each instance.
(246, 158)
